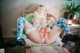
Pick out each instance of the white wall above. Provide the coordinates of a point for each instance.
(11, 9)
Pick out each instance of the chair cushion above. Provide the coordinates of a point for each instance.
(47, 49)
(30, 43)
(29, 17)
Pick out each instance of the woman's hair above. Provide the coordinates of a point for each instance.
(41, 6)
(31, 8)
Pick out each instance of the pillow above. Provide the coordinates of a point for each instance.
(24, 36)
(29, 17)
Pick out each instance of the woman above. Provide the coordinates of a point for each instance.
(34, 34)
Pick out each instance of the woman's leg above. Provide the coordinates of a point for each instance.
(56, 30)
(53, 35)
(20, 27)
(31, 32)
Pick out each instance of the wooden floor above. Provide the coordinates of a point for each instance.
(28, 50)
(15, 50)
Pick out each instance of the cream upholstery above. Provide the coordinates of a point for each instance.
(47, 49)
(42, 48)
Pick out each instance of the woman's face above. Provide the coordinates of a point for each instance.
(50, 21)
(41, 9)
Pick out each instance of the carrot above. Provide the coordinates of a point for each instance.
(45, 32)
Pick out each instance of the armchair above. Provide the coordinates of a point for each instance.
(32, 47)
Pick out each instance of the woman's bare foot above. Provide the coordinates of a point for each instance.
(66, 51)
